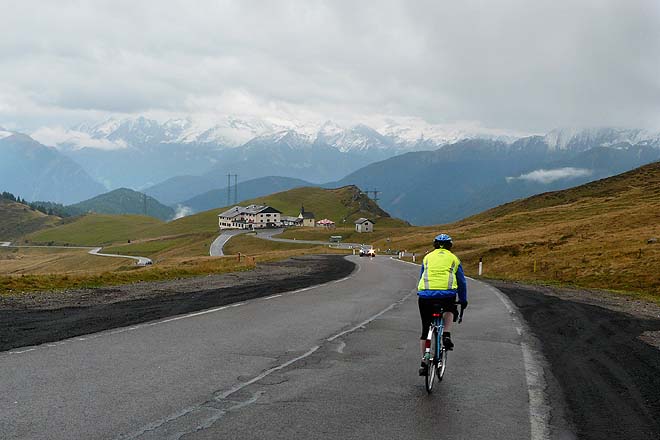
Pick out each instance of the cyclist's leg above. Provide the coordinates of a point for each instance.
(425, 315)
(448, 317)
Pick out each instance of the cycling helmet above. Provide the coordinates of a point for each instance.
(442, 241)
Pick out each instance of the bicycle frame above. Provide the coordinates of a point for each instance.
(436, 365)
(438, 323)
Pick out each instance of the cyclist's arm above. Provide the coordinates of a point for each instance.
(462, 284)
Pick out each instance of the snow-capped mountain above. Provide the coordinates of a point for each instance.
(141, 152)
(223, 132)
(232, 132)
(582, 139)
(357, 139)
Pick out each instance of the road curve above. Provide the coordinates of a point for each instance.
(333, 361)
(217, 247)
(141, 261)
(269, 234)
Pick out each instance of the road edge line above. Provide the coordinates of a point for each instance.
(533, 361)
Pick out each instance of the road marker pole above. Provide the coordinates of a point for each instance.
(481, 265)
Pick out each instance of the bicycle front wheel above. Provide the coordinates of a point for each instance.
(432, 362)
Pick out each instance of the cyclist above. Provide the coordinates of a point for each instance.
(440, 281)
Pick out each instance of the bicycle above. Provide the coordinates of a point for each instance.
(435, 354)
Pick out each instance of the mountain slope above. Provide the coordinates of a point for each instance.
(17, 219)
(246, 190)
(597, 235)
(37, 172)
(126, 201)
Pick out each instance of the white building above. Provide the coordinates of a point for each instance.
(250, 217)
(364, 225)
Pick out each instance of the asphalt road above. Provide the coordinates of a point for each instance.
(141, 261)
(219, 243)
(335, 361)
(269, 234)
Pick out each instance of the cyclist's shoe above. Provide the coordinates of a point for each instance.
(447, 343)
(423, 369)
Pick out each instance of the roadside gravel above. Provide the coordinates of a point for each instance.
(35, 318)
(603, 350)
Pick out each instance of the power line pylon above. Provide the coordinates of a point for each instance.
(375, 193)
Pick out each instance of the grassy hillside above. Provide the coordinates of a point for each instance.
(126, 201)
(95, 229)
(17, 219)
(188, 238)
(342, 205)
(594, 235)
(192, 235)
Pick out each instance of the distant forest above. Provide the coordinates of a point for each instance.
(48, 208)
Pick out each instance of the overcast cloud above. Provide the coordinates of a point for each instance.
(549, 176)
(513, 65)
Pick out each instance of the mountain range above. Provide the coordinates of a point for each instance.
(424, 174)
(470, 176)
(141, 153)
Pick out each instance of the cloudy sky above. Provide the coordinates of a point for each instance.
(513, 65)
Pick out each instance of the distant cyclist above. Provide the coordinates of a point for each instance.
(441, 280)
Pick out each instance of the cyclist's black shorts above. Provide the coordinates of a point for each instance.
(428, 305)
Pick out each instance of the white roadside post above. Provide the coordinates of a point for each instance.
(413, 257)
(481, 265)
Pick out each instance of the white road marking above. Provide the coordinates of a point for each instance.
(23, 351)
(403, 261)
(242, 385)
(272, 297)
(189, 315)
(368, 320)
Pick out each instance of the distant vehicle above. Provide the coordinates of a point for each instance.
(367, 251)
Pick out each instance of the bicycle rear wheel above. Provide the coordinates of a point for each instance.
(431, 362)
(442, 365)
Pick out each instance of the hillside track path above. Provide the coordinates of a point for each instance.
(141, 261)
(337, 360)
